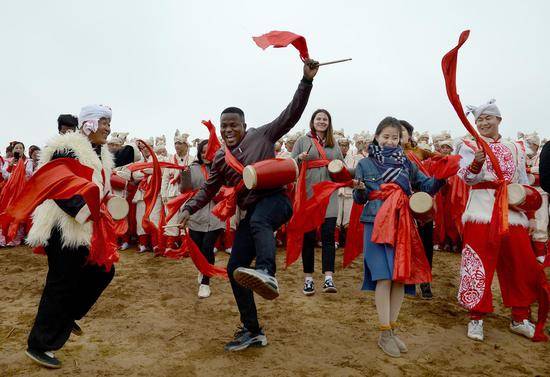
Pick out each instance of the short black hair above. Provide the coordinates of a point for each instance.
(234, 110)
(67, 120)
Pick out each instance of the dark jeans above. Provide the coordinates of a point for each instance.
(72, 287)
(426, 232)
(205, 242)
(327, 241)
(254, 239)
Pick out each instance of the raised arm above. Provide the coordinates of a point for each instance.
(291, 115)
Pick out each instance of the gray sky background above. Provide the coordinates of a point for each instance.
(163, 65)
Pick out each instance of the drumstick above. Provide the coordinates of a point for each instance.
(334, 62)
(171, 226)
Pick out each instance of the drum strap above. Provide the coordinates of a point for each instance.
(320, 162)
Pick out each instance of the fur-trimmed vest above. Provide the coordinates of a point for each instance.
(48, 215)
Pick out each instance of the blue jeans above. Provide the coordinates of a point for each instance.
(254, 239)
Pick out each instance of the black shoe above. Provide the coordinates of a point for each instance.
(46, 359)
(426, 291)
(259, 281)
(309, 288)
(329, 286)
(76, 329)
(244, 339)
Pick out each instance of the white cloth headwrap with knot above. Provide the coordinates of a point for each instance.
(488, 109)
(90, 115)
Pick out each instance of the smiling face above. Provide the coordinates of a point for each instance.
(232, 129)
(487, 126)
(388, 137)
(321, 123)
(103, 130)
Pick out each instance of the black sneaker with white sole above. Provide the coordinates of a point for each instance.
(309, 288)
(329, 286)
(46, 359)
(244, 339)
(259, 281)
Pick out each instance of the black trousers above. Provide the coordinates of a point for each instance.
(206, 241)
(426, 232)
(72, 287)
(327, 241)
(254, 238)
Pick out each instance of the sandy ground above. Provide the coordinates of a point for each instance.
(149, 322)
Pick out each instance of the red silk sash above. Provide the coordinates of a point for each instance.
(394, 226)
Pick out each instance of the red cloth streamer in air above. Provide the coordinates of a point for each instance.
(500, 209)
(310, 216)
(150, 198)
(200, 261)
(213, 141)
(394, 226)
(149, 165)
(228, 205)
(174, 205)
(279, 39)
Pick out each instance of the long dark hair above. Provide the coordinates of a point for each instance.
(200, 147)
(385, 123)
(329, 136)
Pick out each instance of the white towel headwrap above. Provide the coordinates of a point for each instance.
(90, 115)
(488, 109)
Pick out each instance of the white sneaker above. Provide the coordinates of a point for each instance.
(124, 246)
(541, 259)
(228, 250)
(215, 250)
(142, 249)
(475, 330)
(199, 278)
(525, 328)
(204, 291)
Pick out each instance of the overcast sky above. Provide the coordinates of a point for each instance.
(163, 65)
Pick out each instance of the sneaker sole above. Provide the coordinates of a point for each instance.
(256, 284)
(43, 363)
(259, 343)
(474, 338)
(308, 293)
(76, 332)
(330, 290)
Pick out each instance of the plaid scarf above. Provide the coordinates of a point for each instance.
(390, 161)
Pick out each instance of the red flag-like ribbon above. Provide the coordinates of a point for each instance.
(279, 39)
(213, 141)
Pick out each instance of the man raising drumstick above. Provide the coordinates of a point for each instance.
(266, 210)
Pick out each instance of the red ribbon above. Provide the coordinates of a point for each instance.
(280, 39)
(394, 226)
(449, 64)
(150, 198)
(300, 222)
(213, 141)
(200, 261)
(228, 205)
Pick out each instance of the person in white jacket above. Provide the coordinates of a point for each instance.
(171, 184)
